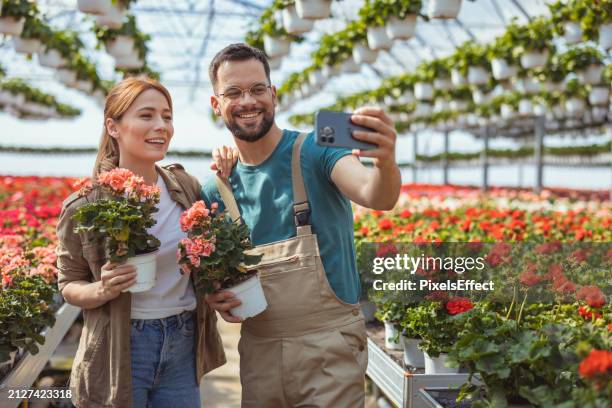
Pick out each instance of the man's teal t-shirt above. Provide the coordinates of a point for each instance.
(265, 197)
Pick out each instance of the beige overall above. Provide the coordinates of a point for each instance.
(308, 348)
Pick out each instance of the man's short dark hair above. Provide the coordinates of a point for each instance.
(236, 52)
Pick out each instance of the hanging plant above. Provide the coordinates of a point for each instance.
(35, 28)
(579, 58)
(66, 42)
(18, 8)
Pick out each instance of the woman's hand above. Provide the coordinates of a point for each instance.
(114, 279)
(224, 160)
(223, 302)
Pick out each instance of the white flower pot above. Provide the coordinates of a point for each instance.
(84, 86)
(528, 85)
(121, 46)
(406, 98)
(507, 111)
(11, 25)
(364, 55)
(444, 8)
(551, 86)
(390, 100)
(329, 71)
(423, 109)
(276, 47)
(534, 59)
(441, 105)
(251, 294)
(66, 76)
(599, 95)
(391, 333)
(539, 109)
(423, 91)
(457, 78)
(437, 365)
(443, 84)
(401, 29)
(502, 70)
(605, 36)
(413, 356)
(458, 105)
(146, 267)
(293, 23)
(525, 107)
(348, 66)
(378, 39)
(591, 75)
(575, 106)
(94, 6)
(26, 45)
(477, 76)
(316, 78)
(480, 97)
(313, 9)
(573, 33)
(306, 89)
(131, 61)
(51, 58)
(275, 63)
(114, 18)
(5, 97)
(599, 113)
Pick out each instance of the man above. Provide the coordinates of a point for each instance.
(309, 347)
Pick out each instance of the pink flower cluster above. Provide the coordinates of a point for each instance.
(15, 259)
(123, 181)
(196, 214)
(194, 249)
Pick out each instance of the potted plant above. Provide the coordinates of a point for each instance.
(586, 62)
(566, 18)
(444, 9)
(412, 324)
(401, 17)
(219, 255)
(377, 36)
(313, 9)
(59, 47)
(575, 95)
(390, 313)
(501, 54)
(276, 41)
(533, 43)
(471, 60)
(552, 75)
(29, 42)
(292, 22)
(527, 84)
(441, 73)
(13, 14)
(96, 7)
(114, 18)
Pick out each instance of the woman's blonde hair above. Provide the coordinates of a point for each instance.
(119, 100)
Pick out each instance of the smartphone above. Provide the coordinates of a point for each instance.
(335, 129)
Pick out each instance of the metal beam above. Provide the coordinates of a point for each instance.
(445, 159)
(192, 12)
(519, 6)
(449, 34)
(415, 147)
(484, 158)
(499, 12)
(540, 129)
(467, 30)
(426, 45)
(249, 4)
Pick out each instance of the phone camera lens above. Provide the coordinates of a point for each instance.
(323, 139)
(330, 139)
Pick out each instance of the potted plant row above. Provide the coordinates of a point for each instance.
(13, 14)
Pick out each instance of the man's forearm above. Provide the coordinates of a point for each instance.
(383, 187)
(86, 295)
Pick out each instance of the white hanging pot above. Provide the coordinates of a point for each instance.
(313, 9)
(121, 46)
(591, 75)
(378, 39)
(525, 107)
(472, 119)
(114, 18)
(406, 98)
(477, 76)
(276, 47)
(457, 78)
(293, 23)
(441, 105)
(66, 77)
(306, 90)
(97, 7)
(275, 63)
(551, 86)
(539, 109)
(599, 113)
(423, 109)
(575, 106)
(558, 111)
(573, 33)
(51, 58)
(11, 25)
(390, 101)
(443, 84)
(502, 70)
(423, 91)
(401, 29)
(251, 294)
(528, 85)
(26, 45)
(534, 59)
(599, 95)
(363, 54)
(146, 266)
(329, 71)
(392, 333)
(480, 97)
(131, 61)
(348, 66)
(437, 365)
(84, 86)
(458, 105)
(5, 97)
(506, 111)
(413, 356)
(605, 36)
(444, 8)
(316, 78)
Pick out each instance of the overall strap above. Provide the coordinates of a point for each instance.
(228, 199)
(301, 209)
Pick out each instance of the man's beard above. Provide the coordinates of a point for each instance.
(251, 135)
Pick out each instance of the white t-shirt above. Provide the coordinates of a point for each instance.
(173, 293)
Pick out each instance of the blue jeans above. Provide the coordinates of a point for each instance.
(163, 362)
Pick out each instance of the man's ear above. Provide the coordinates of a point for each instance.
(273, 90)
(214, 102)
(111, 128)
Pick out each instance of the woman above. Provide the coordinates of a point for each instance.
(149, 348)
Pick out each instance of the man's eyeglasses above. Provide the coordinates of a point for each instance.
(234, 93)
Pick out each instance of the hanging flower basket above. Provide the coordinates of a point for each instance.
(363, 54)
(313, 9)
(97, 7)
(292, 22)
(26, 45)
(316, 78)
(132, 61)
(443, 84)
(534, 59)
(378, 39)
(348, 66)
(525, 107)
(457, 78)
(114, 18)
(477, 76)
(605, 36)
(275, 63)
(575, 106)
(276, 47)
(446, 9)
(573, 32)
(423, 91)
(51, 58)
(437, 365)
(599, 95)
(66, 76)
(11, 25)
(121, 46)
(502, 70)
(401, 29)
(591, 75)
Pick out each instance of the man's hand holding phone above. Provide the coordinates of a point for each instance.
(383, 134)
